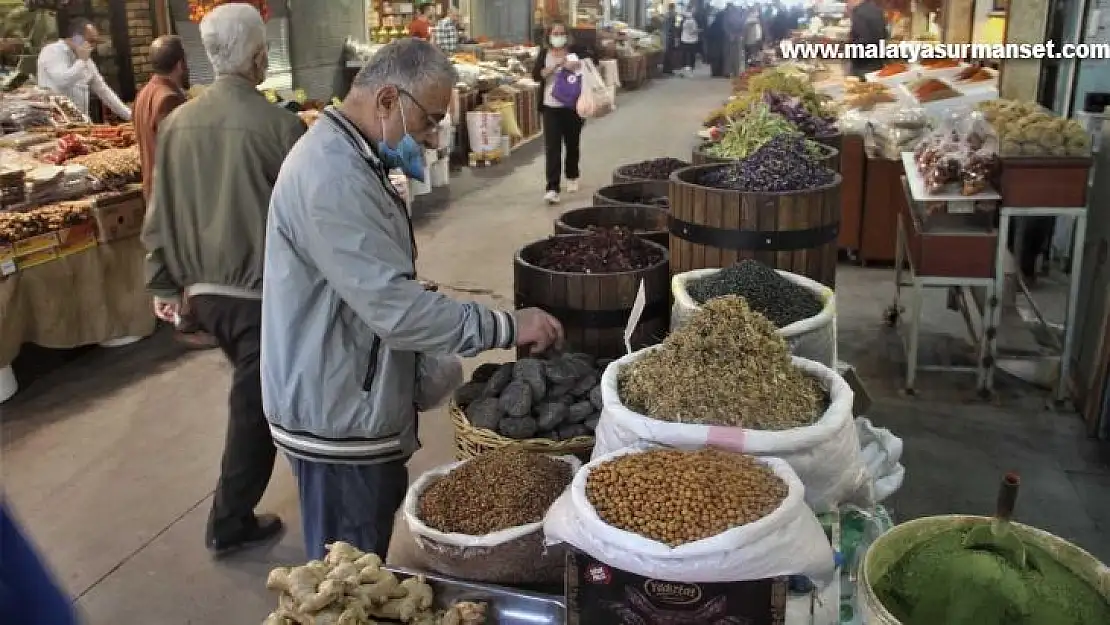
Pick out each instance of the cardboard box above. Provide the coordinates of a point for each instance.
(119, 216)
(7, 259)
(598, 594)
(76, 238)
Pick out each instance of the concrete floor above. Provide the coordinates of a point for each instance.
(111, 458)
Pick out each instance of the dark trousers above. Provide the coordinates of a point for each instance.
(690, 54)
(354, 503)
(248, 459)
(561, 127)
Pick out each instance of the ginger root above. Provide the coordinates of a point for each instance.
(340, 552)
(306, 586)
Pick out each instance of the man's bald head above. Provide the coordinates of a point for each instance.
(167, 54)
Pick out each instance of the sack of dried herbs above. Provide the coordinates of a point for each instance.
(825, 454)
(484, 523)
(804, 310)
(788, 540)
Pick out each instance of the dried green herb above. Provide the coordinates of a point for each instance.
(726, 366)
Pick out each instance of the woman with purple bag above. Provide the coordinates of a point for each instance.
(557, 69)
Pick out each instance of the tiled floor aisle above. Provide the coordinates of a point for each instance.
(110, 460)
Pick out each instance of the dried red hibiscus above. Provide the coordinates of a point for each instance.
(604, 250)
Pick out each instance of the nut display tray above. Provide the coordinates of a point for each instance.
(506, 606)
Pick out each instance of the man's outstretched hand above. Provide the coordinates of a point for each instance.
(538, 330)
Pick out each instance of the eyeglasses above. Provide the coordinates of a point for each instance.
(433, 120)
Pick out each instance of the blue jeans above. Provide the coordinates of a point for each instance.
(349, 502)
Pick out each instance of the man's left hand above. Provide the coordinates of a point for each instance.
(168, 310)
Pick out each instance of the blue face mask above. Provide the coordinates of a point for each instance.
(408, 156)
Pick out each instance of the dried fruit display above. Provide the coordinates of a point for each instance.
(678, 496)
(655, 169)
(557, 398)
(939, 63)
(726, 366)
(500, 489)
(766, 292)
(112, 167)
(1026, 129)
(349, 586)
(612, 250)
(968, 159)
(199, 8)
(19, 225)
(784, 164)
(893, 69)
(865, 95)
(973, 73)
(932, 90)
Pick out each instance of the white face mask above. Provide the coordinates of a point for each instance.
(558, 41)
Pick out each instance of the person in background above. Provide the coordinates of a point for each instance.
(702, 12)
(689, 37)
(66, 67)
(753, 37)
(28, 592)
(735, 21)
(868, 27)
(715, 42)
(217, 159)
(347, 329)
(562, 127)
(156, 100)
(446, 32)
(669, 33)
(421, 25)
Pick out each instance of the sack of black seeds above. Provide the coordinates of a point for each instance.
(496, 490)
(825, 454)
(803, 310)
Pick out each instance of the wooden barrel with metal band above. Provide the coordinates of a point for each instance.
(794, 231)
(640, 193)
(594, 308)
(648, 222)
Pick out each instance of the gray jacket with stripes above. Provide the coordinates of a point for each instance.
(344, 320)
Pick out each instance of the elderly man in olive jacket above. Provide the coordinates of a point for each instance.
(215, 166)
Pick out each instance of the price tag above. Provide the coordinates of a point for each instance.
(634, 317)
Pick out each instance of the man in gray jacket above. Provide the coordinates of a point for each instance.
(345, 323)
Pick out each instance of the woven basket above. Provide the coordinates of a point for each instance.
(471, 441)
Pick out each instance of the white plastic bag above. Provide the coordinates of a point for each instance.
(515, 555)
(437, 376)
(813, 338)
(825, 455)
(788, 541)
(882, 454)
(599, 102)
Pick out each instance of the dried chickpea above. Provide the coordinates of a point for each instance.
(678, 497)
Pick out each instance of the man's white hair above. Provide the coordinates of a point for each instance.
(232, 35)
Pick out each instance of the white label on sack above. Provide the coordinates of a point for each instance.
(634, 317)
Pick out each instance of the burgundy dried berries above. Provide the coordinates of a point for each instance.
(612, 250)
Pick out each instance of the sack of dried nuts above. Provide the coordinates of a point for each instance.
(481, 519)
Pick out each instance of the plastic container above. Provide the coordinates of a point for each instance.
(885, 551)
(8, 384)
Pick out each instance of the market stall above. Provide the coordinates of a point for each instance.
(71, 267)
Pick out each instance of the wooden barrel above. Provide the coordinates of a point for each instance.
(794, 231)
(642, 193)
(621, 174)
(594, 308)
(648, 222)
(833, 141)
(830, 158)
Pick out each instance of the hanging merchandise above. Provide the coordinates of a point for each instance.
(199, 8)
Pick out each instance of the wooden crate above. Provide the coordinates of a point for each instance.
(946, 254)
(1044, 182)
(594, 308)
(795, 232)
(119, 215)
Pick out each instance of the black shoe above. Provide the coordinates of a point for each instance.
(268, 528)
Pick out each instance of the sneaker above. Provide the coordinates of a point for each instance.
(551, 197)
(572, 185)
